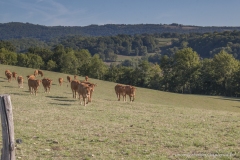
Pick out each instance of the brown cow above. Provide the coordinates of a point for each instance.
(7, 72)
(33, 85)
(14, 75)
(130, 91)
(84, 92)
(68, 79)
(20, 81)
(60, 80)
(46, 84)
(92, 86)
(74, 87)
(40, 72)
(120, 91)
(9, 76)
(35, 73)
(30, 77)
(86, 78)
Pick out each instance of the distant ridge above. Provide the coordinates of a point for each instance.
(15, 30)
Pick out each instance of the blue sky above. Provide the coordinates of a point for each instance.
(100, 12)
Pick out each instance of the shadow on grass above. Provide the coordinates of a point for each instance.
(227, 98)
(64, 100)
(236, 106)
(2, 81)
(9, 86)
(56, 97)
(20, 94)
(61, 104)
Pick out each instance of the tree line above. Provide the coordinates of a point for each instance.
(17, 30)
(182, 72)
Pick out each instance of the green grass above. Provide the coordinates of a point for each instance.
(157, 125)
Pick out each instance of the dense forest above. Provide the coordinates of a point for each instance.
(16, 30)
(193, 62)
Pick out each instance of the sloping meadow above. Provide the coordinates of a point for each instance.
(157, 125)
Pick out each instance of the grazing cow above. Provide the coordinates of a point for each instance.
(9, 76)
(14, 75)
(86, 78)
(35, 73)
(130, 91)
(60, 80)
(30, 77)
(20, 81)
(92, 86)
(84, 92)
(46, 84)
(40, 72)
(33, 85)
(74, 87)
(120, 90)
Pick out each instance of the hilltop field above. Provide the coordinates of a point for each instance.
(157, 125)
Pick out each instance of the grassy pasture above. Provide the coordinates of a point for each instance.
(158, 125)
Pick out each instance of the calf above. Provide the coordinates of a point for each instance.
(46, 84)
(68, 79)
(84, 92)
(33, 85)
(86, 78)
(20, 81)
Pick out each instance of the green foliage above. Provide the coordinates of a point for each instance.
(7, 57)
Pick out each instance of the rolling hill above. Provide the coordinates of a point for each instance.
(157, 125)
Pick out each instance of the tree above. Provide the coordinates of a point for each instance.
(225, 66)
(97, 68)
(186, 65)
(8, 57)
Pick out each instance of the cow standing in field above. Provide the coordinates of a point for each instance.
(8, 74)
(92, 86)
(40, 72)
(33, 85)
(35, 73)
(84, 92)
(46, 84)
(68, 79)
(20, 81)
(130, 91)
(60, 80)
(74, 87)
(120, 91)
(14, 75)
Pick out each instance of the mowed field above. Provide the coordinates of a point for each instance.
(157, 125)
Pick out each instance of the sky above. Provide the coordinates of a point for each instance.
(100, 12)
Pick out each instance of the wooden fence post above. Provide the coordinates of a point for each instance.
(8, 150)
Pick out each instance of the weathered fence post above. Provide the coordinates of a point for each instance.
(8, 150)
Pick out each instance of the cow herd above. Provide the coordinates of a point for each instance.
(84, 88)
